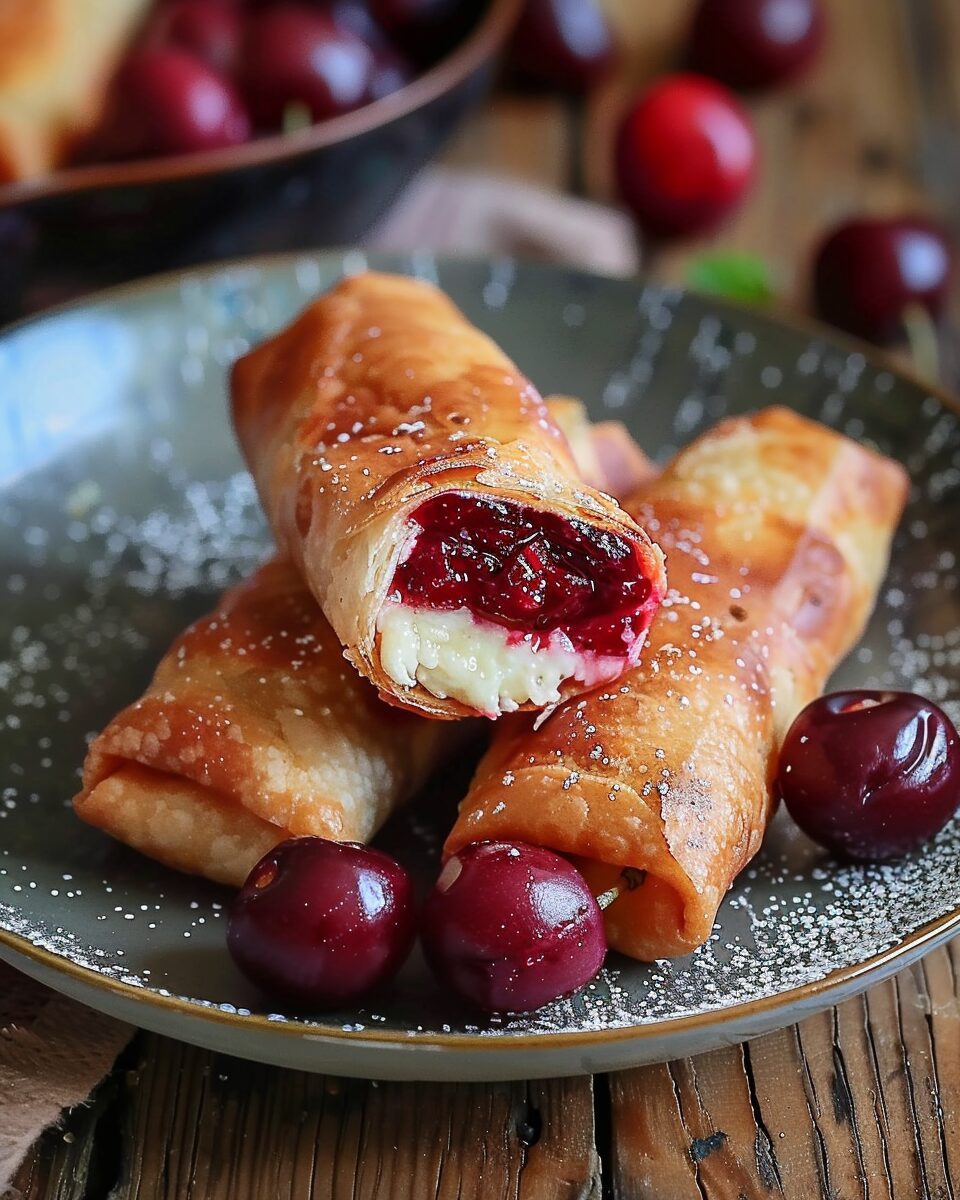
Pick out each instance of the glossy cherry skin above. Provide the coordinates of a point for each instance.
(871, 775)
(166, 101)
(212, 30)
(512, 927)
(566, 44)
(294, 54)
(686, 154)
(754, 44)
(867, 271)
(322, 923)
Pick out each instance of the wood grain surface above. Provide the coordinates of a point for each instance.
(859, 1102)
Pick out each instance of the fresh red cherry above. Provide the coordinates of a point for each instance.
(868, 271)
(424, 29)
(294, 54)
(209, 29)
(564, 43)
(871, 775)
(686, 154)
(322, 923)
(754, 44)
(165, 101)
(512, 927)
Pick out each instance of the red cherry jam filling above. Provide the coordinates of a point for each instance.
(530, 571)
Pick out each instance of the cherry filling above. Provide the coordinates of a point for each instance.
(530, 571)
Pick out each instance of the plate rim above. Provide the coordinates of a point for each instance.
(926, 937)
(880, 357)
(856, 976)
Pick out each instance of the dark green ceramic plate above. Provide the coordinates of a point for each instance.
(125, 509)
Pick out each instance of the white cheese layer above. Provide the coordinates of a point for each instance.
(455, 656)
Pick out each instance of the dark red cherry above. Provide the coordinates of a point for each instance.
(564, 43)
(868, 271)
(754, 44)
(322, 923)
(512, 927)
(294, 54)
(391, 72)
(871, 775)
(425, 29)
(355, 16)
(686, 153)
(209, 29)
(165, 101)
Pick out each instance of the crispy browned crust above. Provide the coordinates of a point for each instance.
(253, 728)
(379, 395)
(777, 533)
(56, 59)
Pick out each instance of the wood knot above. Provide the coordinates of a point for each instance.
(529, 1127)
(701, 1148)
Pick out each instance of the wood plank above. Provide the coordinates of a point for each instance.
(528, 137)
(198, 1126)
(75, 1159)
(859, 1101)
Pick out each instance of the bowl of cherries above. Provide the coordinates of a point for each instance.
(235, 126)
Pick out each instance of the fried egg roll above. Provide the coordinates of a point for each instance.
(434, 507)
(254, 729)
(777, 533)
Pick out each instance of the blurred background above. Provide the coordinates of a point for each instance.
(792, 153)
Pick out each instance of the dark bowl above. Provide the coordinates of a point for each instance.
(328, 184)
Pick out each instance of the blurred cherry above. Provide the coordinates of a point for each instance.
(355, 17)
(686, 154)
(564, 43)
(165, 101)
(425, 29)
(294, 54)
(869, 271)
(210, 29)
(391, 72)
(753, 44)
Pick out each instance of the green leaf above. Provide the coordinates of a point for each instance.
(737, 276)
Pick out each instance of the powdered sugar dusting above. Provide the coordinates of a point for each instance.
(115, 535)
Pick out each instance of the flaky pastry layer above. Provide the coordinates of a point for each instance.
(254, 729)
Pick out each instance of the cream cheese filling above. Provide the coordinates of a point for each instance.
(455, 656)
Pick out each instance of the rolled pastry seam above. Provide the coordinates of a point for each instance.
(255, 729)
(434, 507)
(777, 532)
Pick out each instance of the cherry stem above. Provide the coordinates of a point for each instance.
(922, 338)
(630, 878)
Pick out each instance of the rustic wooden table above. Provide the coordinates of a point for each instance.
(862, 1101)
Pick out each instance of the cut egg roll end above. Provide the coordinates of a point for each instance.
(433, 505)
